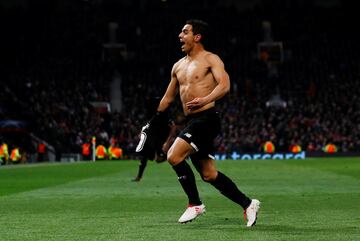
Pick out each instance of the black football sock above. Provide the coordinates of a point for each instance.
(187, 180)
(142, 165)
(230, 190)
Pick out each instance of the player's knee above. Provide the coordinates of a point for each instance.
(174, 156)
(208, 177)
(173, 159)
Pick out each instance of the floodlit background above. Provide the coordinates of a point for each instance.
(77, 74)
(71, 70)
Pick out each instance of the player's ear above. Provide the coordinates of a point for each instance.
(197, 37)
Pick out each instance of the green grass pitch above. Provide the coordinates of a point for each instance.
(312, 199)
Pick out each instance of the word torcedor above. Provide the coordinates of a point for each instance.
(260, 156)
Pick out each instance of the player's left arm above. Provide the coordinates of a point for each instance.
(220, 76)
(222, 79)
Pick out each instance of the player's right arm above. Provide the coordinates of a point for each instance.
(170, 138)
(171, 91)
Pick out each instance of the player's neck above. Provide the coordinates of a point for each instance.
(195, 51)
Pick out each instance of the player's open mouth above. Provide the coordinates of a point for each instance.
(182, 43)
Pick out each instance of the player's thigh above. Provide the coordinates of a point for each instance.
(179, 151)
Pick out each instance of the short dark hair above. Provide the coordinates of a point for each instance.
(199, 27)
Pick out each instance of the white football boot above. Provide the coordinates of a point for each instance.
(250, 214)
(191, 213)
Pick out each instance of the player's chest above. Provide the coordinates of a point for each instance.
(192, 71)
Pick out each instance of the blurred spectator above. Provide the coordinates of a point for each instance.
(41, 149)
(55, 66)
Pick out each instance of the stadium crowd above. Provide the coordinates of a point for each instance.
(54, 67)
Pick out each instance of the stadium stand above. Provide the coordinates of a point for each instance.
(55, 65)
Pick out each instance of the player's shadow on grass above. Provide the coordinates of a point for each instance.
(235, 224)
(231, 224)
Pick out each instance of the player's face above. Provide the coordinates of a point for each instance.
(186, 38)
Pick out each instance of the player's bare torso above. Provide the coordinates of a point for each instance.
(195, 79)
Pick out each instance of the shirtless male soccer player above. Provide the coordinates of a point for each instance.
(201, 79)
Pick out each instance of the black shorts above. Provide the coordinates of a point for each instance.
(200, 131)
